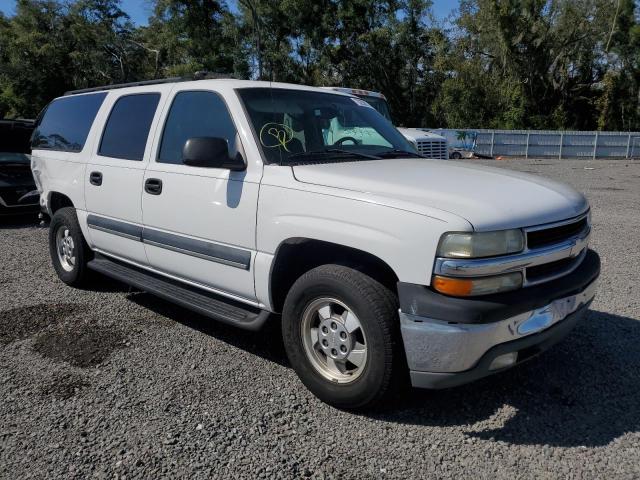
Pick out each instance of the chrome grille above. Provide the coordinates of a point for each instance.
(547, 271)
(548, 236)
(433, 149)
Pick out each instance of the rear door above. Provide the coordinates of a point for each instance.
(200, 223)
(115, 172)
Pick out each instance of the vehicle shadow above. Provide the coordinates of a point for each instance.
(18, 221)
(102, 283)
(583, 392)
(266, 343)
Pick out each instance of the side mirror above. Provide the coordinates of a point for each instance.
(210, 152)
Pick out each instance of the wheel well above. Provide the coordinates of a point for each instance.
(296, 256)
(58, 201)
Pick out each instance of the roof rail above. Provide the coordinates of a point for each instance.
(200, 75)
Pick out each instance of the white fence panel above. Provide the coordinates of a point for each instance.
(548, 143)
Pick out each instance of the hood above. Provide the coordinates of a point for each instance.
(415, 134)
(488, 198)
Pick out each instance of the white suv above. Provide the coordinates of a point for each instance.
(241, 199)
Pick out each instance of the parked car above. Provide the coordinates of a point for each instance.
(18, 193)
(428, 144)
(237, 199)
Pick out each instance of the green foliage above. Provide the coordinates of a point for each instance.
(500, 64)
(192, 35)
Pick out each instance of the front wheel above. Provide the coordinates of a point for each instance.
(69, 251)
(339, 330)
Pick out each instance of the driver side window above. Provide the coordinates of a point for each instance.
(194, 114)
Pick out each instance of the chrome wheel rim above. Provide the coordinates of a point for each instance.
(66, 249)
(334, 340)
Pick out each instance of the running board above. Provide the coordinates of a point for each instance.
(200, 301)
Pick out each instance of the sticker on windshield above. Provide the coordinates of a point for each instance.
(273, 135)
(362, 103)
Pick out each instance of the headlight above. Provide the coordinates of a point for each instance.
(468, 287)
(481, 244)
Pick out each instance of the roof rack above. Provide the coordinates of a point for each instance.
(200, 75)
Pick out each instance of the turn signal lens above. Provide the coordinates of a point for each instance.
(458, 287)
(467, 287)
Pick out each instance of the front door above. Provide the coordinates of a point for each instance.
(200, 223)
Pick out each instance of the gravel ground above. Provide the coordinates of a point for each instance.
(111, 383)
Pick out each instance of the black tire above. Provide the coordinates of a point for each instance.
(456, 155)
(65, 219)
(375, 307)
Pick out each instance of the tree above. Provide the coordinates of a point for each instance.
(541, 58)
(192, 35)
(619, 103)
(49, 48)
(505, 64)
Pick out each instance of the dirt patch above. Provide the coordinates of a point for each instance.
(81, 345)
(20, 323)
(64, 386)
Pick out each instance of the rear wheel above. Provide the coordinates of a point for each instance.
(69, 251)
(339, 330)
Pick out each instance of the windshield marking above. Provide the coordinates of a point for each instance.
(274, 135)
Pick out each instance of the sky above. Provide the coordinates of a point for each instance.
(140, 10)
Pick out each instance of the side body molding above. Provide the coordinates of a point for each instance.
(227, 255)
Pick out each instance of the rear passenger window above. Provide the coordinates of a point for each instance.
(194, 114)
(127, 129)
(66, 123)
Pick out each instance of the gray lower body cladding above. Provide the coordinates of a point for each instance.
(232, 256)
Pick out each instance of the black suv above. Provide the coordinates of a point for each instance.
(18, 193)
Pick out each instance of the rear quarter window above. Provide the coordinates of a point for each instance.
(66, 123)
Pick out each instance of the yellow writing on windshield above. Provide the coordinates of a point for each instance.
(273, 135)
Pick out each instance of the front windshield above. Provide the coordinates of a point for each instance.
(293, 126)
(380, 104)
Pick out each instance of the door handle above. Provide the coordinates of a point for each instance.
(153, 186)
(95, 178)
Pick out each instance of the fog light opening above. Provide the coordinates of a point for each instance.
(504, 361)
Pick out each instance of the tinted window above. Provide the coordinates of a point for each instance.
(194, 114)
(66, 122)
(15, 136)
(298, 125)
(127, 129)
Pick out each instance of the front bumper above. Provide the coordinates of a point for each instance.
(448, 348)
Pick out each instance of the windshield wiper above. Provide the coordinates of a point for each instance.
(395, 153)
(334, 152)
